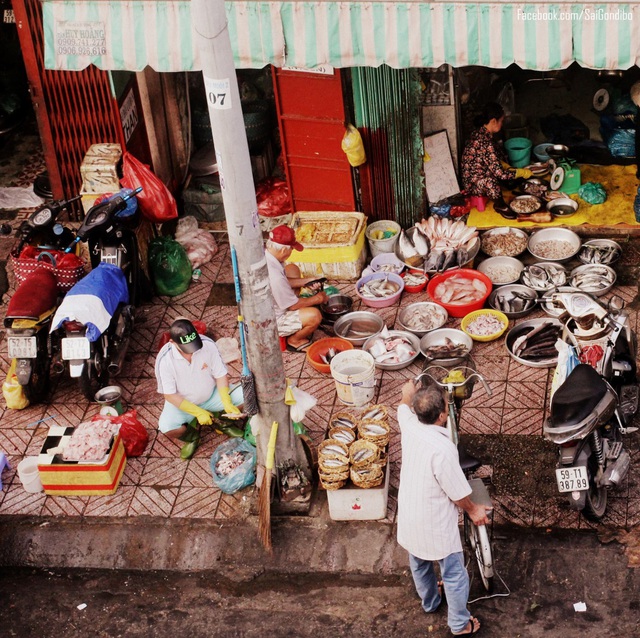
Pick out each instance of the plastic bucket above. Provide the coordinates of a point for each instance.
(354, 373)
(379, 246)
(30, 475)
(519, 151)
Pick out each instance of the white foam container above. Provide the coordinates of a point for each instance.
(358, 504)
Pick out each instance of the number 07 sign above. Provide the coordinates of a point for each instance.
(218, 93)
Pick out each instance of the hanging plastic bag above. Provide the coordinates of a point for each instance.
(304, 403)
(156, 203)
(567, 361)
(353, 147)
(169, 266)
(233, 465)
(134, 435)
(272, 197)
(199, 244)
(12, 391)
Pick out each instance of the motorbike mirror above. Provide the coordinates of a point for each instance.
(616, 305)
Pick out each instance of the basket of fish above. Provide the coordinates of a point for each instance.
(343, 434)
(344, 419)
(504, 242)
(596, 279)
(554, 244)
(532, 342)
(600, 251)
(438, 244)
(422, 317)
(377, 412)
(485, 325)
(460, 291)
(501, 270)
(380, 289)
(446, 346)
(393, 349)
(544, 276)
(374, 431)
(514, 301)
(367, 477)
(546, 304)
(333, 464)
(363, 453)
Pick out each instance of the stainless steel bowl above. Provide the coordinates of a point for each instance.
(545, 265)
(504, 230)
(562, 207)
(557, 151)
(405, 314)
(535, 204)
(490, 264)
(554, 234)
(506, 291)
(415, 344)
(336, 306)
(589, 268)
(548, 307)
(518, 330)
(358, 326)
(600, 243)
(437, 338)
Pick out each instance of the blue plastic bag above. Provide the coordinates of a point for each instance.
(241, 476)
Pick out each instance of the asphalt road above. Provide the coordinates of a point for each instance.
(546, 574)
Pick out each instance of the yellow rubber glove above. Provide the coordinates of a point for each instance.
(204, 417)
(225, 397)
(523, 172)
(505, 166)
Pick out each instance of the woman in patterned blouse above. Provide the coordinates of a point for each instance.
(482, 165)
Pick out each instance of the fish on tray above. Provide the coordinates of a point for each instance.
(514, 301)
(447, 350)
(378, 288)
(458, 290)
(538, 343)
(391, 350)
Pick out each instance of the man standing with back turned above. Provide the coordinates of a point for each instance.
(432, 487)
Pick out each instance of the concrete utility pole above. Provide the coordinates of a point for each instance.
(238, 194)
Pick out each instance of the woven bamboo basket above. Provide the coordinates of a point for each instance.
(363, 447)
(327, 466)
(375, 431)
(343, 415)
(369, 477)
(325, 453)
(332, 485)
(371, 410)
(343, 434)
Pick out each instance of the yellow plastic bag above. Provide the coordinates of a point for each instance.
(12, 390)
(353, 147)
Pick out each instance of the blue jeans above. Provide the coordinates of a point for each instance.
(456, 587)
(173, 418)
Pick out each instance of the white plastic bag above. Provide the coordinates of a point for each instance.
(228, 349)
(567, 361)
(199, 244)
(304, 403)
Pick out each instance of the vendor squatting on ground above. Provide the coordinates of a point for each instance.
(432, 487)
(483, 166)
(193, 379)
(297, 317)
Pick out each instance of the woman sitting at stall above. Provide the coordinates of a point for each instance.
(482, 168)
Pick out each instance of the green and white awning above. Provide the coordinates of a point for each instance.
(131, 34)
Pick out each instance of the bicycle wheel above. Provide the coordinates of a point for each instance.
(478, 539)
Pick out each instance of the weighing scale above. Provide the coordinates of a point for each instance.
(565, 175)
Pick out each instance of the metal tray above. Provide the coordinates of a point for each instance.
(517, 331)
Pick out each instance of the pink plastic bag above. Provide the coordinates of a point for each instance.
(156, 203)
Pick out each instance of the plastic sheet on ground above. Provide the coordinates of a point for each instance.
(19, 197)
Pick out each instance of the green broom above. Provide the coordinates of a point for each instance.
(246, 378)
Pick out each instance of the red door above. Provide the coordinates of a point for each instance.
(311, 117)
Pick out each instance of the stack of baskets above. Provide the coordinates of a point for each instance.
(356, 449)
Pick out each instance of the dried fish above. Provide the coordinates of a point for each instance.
(447, 350)
(537, 343)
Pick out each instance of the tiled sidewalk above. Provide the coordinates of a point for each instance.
(160, 484)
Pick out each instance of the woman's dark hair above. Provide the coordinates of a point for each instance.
(490, 111)
(428, 404)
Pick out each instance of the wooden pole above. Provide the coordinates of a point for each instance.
(241, 211)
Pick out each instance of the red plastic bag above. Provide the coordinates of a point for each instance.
(272, 196)
(156, 203)
(134, 435)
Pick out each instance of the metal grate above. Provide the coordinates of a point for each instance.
(74, 109)
(387, 112)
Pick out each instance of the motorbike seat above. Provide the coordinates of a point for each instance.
(578, 396)
(34, 296)
(468, 463)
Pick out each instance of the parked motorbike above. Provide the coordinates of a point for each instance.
(97, 315)
(31, 307)
(592, 409)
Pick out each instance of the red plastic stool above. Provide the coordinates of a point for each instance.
(283, 344)
(478, 202)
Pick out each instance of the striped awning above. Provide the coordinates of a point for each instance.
(131, 34)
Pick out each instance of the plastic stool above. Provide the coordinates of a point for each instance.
(4, 465)
(476, 201)
(283, 344)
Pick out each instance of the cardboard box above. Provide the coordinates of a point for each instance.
(76, 478)
(334, 244)
(99, 168)
(353, 503)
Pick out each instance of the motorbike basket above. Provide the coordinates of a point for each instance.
(66, 278)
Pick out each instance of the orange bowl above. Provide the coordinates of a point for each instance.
(321, 347)
(460, 310)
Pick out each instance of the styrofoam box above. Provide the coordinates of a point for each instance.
(358, 504)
